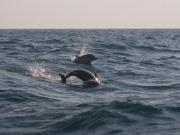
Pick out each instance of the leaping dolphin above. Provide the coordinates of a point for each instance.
(84, 59)
(87, 77)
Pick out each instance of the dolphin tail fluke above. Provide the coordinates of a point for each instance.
(63, 78)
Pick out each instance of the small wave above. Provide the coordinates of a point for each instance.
(56, 50)
(19, 96)
(29, 46)
(40, 72)
(146, 48)
(112, 46)
(54, 41)
(10, 41)
(172, 57)
(13, 53)
(136, 108)
(149, 37)
(129, 73)
(14, 68)
(151, 62)
(155, 48)
(161, 86)
(173, 109)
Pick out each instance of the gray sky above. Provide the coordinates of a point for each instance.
(89, 13)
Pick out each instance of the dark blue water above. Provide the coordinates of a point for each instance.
(139, 92)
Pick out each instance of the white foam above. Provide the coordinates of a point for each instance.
(73, 58)
(40, 72)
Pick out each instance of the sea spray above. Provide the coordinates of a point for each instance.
(39, 71)
(83, 50)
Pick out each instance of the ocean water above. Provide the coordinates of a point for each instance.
(139, 92)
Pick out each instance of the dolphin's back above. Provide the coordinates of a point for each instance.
(81, 74)
(85, 59)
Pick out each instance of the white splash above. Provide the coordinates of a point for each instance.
(83, 50)
(40, 72)
(73, 58)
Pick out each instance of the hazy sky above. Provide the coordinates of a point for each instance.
(89, 13)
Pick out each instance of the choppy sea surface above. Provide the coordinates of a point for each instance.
(139, 92)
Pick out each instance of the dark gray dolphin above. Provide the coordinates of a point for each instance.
(85, 59)
(87, 77)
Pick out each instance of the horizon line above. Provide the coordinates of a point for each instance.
(82, 28)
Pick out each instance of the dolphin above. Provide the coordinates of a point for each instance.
(87, 77)
(84, 59)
